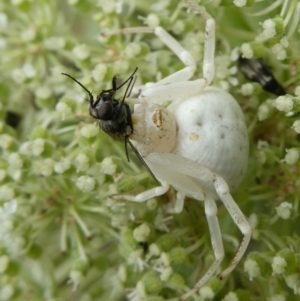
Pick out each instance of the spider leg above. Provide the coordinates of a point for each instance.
(169, 92)
(208, 66)
(184, 55)
(238, 218)
(161, 163)
(145, 195)
(216, 242)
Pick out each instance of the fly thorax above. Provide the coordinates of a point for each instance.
(154, 128)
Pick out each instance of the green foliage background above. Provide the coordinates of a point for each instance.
(61, 236)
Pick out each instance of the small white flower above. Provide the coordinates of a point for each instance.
(120, 66)
(17, 245)
(263, 112)
(284, 103)
(16, 2)
(15, 161)
(4, 260)
(10, 207)
(6, 193)
(253, 221)
(63, 165)
(297, 91)
(268, 24)
(284, 42)
(233, 81)
(6, 292)
(153, 251)
(3, 43)
(135, 259)
(277, 298)
(178, 27)
(43, 92)
(152, 20)
(240, 3)
(247, 89)
(3, 20)
(25, 148)
(278, 265)
(279, 51)
(293, 282)
(2, 174)
(231, 296)
(63, 110)
(284, 210)
(296, 126)
(81, 52)
(6, 141)
(75, 278)
(28, 35)
(72, 2)
(108, 167)
(206, 293)
(252, 268)
(107, 6)
(269, 30)
(122, 273)
(151, 204)
(85, 183)
(37, 146)
(233, 70)
(18, 76)
(165, 273)
(99, 72)
(47, 167)
(247, 51)
(132, 50)
(55, 43)
(82, 162)
(291, 157)
(29, 70)
(141, 232)
(234, 54)
(89, 131)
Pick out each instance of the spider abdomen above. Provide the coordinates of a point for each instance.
(212, 132)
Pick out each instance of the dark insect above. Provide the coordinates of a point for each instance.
(113, 115)
(13, 119)
(144, 245)
(258, 71)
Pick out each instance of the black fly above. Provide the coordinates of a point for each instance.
(258, 71)
(113, 115)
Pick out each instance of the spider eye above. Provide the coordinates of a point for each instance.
(103, 112)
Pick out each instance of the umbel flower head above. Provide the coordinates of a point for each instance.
(63, 236)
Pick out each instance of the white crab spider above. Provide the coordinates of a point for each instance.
(198, 144)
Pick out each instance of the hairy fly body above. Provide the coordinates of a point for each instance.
(113, 115)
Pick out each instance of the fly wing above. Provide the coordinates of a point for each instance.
(257, 71)
(142, 160)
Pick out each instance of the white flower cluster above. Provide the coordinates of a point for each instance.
(252, 268)
(284, 210)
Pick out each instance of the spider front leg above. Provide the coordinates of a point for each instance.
(184, 55)
(238, 218)
(217, 246)
(209, 42)
(176, 85)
